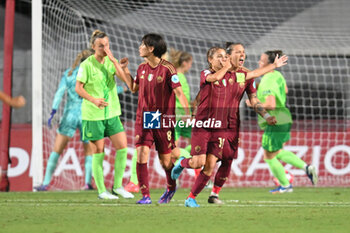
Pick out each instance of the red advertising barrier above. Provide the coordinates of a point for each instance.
(328, 151)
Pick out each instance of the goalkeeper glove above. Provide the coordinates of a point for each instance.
(53, 112)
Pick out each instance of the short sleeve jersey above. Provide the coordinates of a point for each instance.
(156, 86)
(99, 82)
(238, 85)
(274, 84)
(214, 98)
(67, 83)
(186, 90)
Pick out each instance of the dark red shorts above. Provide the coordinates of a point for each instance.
(162, 138)
(230, 150)
(207, 141)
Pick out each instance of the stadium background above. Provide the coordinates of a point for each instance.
(314, 34)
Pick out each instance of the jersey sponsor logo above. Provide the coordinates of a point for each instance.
(240, 79)
(175, 78)
(159, 79)
(150, 77)
(151, 120)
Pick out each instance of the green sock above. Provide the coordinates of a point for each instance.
(97, 170)
(184, 153)
(188, 148)
(119, 167)
(50, 167)
(278, 171)
(290, 158)
(133, 177)
(88, 169)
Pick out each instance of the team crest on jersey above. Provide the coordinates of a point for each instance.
(230, 81)
(159, 79)
(240, 79)
(216, 83)
(142, 77)
(224, 82)
(150, 77)
(197, 149)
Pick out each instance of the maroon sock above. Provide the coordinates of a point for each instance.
(222, 173)
(142, 176)
(200, 183)
(170, 182)
(185, 163)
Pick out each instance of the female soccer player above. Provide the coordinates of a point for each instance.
(272, 92)
(225, 88)
(16, 102)
(101, 110)
(156, 81)
(70, 121)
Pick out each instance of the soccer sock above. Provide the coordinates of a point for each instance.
(171, 184)
(142, 176)
(291, 158)
(184, 153)
(97, 170)
(188, 148)
(278, 171)
(215, 191)
(222, 173)
(133, 177)
(196, 172)
(50, 167)
(119, 167)
(200, 183)
(185, 163)
(88, 169)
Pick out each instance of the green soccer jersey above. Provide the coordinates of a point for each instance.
(186, 90)
(274, 84)
(99, 82)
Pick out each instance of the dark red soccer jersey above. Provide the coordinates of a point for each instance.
(213, 99)
(237, 84)
(156, 89)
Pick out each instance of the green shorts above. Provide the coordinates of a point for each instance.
(275, 136)
(96, 130)
(182, 131)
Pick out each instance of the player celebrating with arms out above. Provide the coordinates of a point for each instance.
(272, 92)
(101, 110)
(157, 81)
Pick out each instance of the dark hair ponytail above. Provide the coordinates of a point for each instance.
(272, 55)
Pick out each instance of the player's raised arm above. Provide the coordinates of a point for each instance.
(217, 57)
(16, 102)
(279, 61)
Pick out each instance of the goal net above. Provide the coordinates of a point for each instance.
(313, 33)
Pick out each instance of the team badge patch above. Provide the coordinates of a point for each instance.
(224, 82)
(175, 78)
(137, 137)
(150, 77)
(197, 149)
(159, 79)
(230, 81)
(216, 83)
(142, 77)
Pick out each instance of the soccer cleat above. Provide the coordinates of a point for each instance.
(166, 197)
(107, 196)
(42, 188)
(215, 200)
(311, 173)
(281, 189)
(190, 202)
(122, 192)
(88, 187)
(132, 188)
(144, 201)
(177, 169)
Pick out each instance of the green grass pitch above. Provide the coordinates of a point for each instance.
(245, 210)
